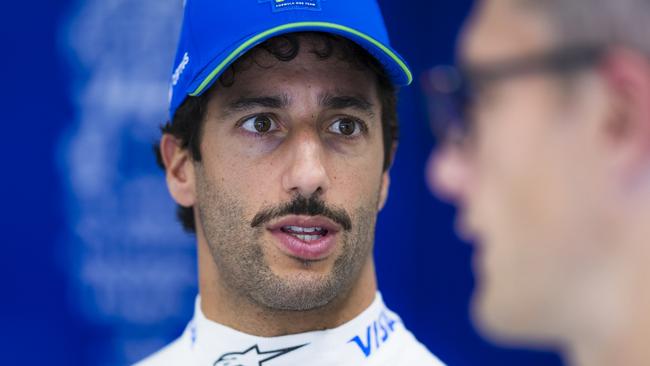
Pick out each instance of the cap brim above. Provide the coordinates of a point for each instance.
(395, 66)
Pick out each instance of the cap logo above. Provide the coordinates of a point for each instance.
(283, 5)
(179, 70)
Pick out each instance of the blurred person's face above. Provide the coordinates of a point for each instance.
(530, 180)
(291, 179)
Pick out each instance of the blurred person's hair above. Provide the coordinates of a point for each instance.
(597, 22)
(188, 120)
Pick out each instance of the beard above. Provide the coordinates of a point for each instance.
(236, 245)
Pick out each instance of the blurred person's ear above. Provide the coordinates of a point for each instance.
(627, 77)
(179, 170)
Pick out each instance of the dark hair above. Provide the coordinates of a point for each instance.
(187, 125)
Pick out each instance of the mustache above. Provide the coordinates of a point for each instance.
(301, 205)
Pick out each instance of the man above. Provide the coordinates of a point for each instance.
(551, 171)
(283, 129)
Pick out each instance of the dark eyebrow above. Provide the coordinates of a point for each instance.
(330, 101)
(246, 103)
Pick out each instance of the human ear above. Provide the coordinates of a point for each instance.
(627, 77)
(179, 170)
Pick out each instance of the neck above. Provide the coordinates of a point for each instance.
(220, 305)
(618, 330)
(629, 349)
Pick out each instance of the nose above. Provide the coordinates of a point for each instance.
(449, 173)
(306, 173)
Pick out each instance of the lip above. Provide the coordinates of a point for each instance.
(464, 229)
(478, 261)
(296, 248)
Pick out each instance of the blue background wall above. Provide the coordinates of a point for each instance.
(91, 253)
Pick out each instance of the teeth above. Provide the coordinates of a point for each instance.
(298, 229)
(308, 237)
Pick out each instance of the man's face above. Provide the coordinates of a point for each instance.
(527, 182)
(291, 179)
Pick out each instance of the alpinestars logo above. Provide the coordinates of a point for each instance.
(252, 356)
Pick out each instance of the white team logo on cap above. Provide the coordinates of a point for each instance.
(252, 356)
(179, 70)
(281, 5)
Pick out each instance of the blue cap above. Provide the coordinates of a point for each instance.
(215, 33)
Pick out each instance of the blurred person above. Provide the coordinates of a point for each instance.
(545, 149)
(283, 128)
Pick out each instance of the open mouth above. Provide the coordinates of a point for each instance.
(306, 234)
(305, 237)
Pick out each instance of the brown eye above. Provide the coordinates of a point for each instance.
(259, 125)
(345, 127)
